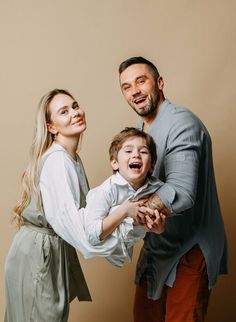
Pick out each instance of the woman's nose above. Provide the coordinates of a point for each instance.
(74, 113)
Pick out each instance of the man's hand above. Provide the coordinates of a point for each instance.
(155, 202)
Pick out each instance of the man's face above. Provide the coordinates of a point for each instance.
(140, 90)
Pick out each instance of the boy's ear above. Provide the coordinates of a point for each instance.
(114, 165)
(151, 169)
(51, 128)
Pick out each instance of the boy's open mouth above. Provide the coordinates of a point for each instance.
(135, 165)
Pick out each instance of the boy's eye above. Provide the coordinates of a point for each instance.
(144, 151)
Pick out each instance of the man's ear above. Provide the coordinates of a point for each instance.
(51, 128)
(160, 83)
(114, 165)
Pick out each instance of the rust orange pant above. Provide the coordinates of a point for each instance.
(186, 301)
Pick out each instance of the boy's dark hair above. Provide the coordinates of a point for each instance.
(127, 133)
(139, 60)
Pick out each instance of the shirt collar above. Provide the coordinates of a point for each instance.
(161, 110)
(121, 181)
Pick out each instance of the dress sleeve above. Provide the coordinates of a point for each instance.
(98, 205)
(59, 185)
(181, 164)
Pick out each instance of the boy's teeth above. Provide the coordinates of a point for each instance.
(135, 165)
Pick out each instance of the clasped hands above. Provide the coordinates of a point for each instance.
(149, 212)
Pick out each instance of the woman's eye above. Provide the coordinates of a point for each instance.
(76, 107)
(63, 112)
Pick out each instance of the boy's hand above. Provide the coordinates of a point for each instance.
(156, 222)
(132, 209)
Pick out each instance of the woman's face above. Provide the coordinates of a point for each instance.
(67, 119)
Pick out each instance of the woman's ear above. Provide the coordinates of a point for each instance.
(51, 128)
(114, 165)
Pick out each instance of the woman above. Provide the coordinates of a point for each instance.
(42, 271)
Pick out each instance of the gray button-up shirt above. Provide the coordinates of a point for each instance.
(185, 166)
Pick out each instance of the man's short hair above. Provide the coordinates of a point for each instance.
(139, 60)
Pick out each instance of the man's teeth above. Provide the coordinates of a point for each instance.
(139, 100)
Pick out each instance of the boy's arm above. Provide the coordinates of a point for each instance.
(99, 221)
(113, 220)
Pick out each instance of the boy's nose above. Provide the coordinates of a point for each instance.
(136, 154)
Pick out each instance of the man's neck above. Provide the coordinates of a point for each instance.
(147, 120)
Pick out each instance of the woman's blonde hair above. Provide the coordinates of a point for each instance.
(43, 139)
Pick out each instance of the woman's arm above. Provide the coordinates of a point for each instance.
(59, 185)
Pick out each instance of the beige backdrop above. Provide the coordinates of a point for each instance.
(78, 45)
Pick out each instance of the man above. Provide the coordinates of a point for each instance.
(176, 269)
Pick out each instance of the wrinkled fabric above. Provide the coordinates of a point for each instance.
(185, 166)
(42, 271)
(40, 281)
(63, 187)
(103, 200)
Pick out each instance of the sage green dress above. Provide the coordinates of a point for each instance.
(42, 271)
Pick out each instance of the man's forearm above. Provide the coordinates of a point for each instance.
(155, 202)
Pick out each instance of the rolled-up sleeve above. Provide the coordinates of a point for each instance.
(98, 205)
(181, 164)
(59, 185)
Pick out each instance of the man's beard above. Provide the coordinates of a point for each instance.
(150, 108)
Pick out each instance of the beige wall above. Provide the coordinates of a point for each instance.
(77, 45)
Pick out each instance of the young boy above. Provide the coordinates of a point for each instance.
(132, 157)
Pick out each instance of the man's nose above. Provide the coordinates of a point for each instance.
(135, 90)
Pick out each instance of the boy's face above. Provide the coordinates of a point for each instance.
(133, 161)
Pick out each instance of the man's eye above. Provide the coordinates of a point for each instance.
(141, 81)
